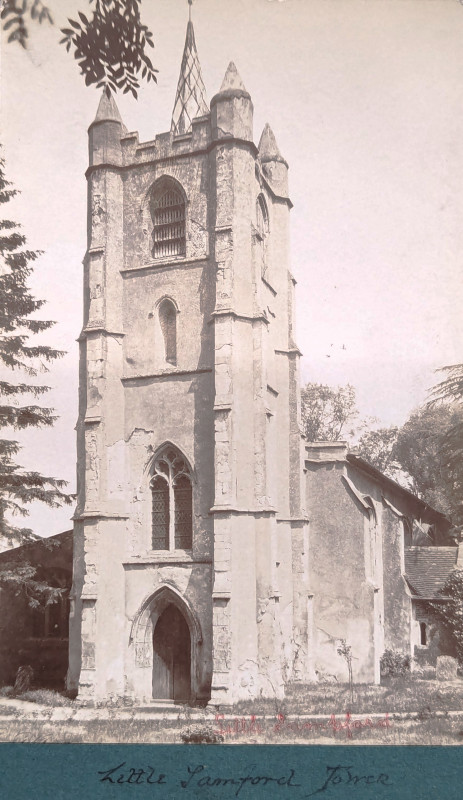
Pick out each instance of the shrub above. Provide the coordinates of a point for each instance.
(394, 664)
(45, 697)
(201, 734)
(450, 612)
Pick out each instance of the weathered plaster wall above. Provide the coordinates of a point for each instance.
(397, 601)
(343, 602)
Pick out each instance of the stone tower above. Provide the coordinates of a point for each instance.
(190, 544)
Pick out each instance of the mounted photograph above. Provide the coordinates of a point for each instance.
(222, 522)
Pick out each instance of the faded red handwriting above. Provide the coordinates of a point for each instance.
(249, 726)
(238, 726)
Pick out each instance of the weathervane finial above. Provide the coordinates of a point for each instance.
(190, 3)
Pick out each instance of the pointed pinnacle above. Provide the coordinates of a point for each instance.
(268, 148)
(107, 109)
(232, 79)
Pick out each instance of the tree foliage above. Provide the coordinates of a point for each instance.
(19, 574)
(25, 359)
(15, 15)
(424, 449)
(110, 45)
(327, 412)
(450, 612)
(423, 455)
(377, 447)
(451, 388)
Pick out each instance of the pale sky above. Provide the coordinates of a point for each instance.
(365, 99)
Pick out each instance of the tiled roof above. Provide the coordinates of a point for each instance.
(427, 569)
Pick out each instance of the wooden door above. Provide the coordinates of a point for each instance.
(171, 657)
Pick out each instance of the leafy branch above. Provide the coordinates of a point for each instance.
(110, 46)
(14, 13)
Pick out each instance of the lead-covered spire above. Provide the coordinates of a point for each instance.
(190, 100)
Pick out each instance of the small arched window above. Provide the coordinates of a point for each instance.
(261, 235)
(168, 323)
(172, 502)
(423, 634)
(167, 207)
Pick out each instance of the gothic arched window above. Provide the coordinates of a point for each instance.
(167, 207)
(168, 323)
(261, 235)
(172, 502)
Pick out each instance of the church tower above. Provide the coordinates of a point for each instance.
(190, 542)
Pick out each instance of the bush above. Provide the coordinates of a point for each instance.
(394, 664)
(45, 697)
(450, 612)
(201, 734)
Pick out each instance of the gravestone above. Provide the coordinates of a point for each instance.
(446, 668)
(24, 678)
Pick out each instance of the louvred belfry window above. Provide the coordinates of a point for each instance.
(168, 216)
(172, 502)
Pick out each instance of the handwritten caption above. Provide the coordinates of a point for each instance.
(197, 777)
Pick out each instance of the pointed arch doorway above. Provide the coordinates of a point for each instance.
(171, 656)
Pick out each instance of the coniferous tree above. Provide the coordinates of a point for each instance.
(21, 362)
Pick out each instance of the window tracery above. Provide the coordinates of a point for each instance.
(172, 502)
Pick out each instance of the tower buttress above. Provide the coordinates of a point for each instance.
(100, 482)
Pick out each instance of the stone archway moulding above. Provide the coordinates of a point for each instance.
(141, 635)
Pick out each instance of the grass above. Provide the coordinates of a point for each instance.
(426, 705)
(395, 694)
(44, 697)
(442, 731)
